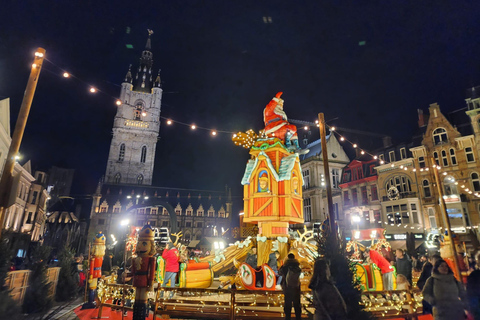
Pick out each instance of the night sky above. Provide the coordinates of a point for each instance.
(366, 64)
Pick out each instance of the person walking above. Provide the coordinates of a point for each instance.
(445, 293)
(328, 302)
(473, 289)
(171, 256)
(385, 268)
(403, 264)
(424, 275)
(290, 273)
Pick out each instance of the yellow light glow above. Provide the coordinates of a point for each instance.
(34, 65)
(332, 128)
(144, 114)
(305, 128)
(38, 54)
(362, 152)
(169, 122)
(93, 90)
(194, 127)
(375, 157)
(118, 102)
(66, 75)
(342, 139)
(354, 145)
(382, 162)
(214, 133)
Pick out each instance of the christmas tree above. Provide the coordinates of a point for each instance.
(8, 308)
(38, 297)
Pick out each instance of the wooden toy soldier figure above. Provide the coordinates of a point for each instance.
(143, 271)
(95, 271)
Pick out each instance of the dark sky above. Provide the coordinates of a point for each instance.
(221, 64)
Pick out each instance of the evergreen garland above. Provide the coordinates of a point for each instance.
(67, 286)
(37, 297)
(342, 271)
(8, 308)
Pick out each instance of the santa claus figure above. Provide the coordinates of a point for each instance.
(143, 271)
(97, 252)
(277, 126)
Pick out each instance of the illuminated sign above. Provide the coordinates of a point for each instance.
(418, 235)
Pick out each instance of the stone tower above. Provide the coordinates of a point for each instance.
(136, 125)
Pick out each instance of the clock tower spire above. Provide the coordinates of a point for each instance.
(136, 125)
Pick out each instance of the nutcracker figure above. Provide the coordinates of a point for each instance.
(95, 271)
(143, 271)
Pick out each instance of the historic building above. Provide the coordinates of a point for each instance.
(126, 197)
(315, 206)
(451, 145)
(5, 138)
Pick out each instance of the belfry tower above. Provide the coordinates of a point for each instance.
(136, 125)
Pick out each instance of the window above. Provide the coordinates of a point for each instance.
(306, 179)
(346, 176)
(178, 212)
(377, 217)
(364, 195)
(153, 223)
(354, 197)
(435, 156)
(453, 158)
(141, 211)
(117, 178)
(426, 189)
(199, 224)
(121, 154)
(189, 212)
(307, 210)
(374, 192)
(199, 213)
(469, 154)
(398, 214)
(143, 156)
(29, 218)
(380, 156)
(138, 112)
(440, 136)
(444, 158)
(140, 179)
(116, 209)
(335, 178)
(449, 186)
(403, 153)
(421, 162)
(413, 208)
(346, 199)
(391, 156)
(475, 181)
(101, 222)
(335, 211)
(103, 209)
(188, 224)
(431, 218)
(402, 183)
(211, 213)
(165, 223)
(34, 197)
(154, 211)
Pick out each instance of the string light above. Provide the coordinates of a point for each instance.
(193, 127)
(169, 122)
(34, 65)
(214, 133)
(93, 90)
(118, 103)
(66, 75)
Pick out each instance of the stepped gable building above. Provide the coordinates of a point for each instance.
(315, 207)
(196, 213)
(126, 197)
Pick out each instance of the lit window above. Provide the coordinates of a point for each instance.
(137, 113)
(143, 157)
(121, 154)
(140, 179)
(421, 162)
(306, 179)
(469, 154)
(450, 186)
(440, 136)
(307, 210)
(374, 192)
(453, 158)
(335, 178)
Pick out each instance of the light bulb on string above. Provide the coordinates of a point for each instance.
(354, 145)
(193, 127)
(375, 157)
(66, 75)
(362, 152)
(342, 139)
(118, 103)
(144, 114)
(93, 90)
(169, 122)
(34, 65)
(214, 133)
(332, 128)
(305, 128)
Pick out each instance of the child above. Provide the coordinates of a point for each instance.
(402, 282)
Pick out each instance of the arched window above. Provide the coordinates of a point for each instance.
(435, 156)
(453, 158)
(140, 179)
(402, 183)
(117, 178)
(440, 136)
(121, 154)
(444, 158)
(144, 154)
(475, 181)
(449, 186)
(426, 189)
(138, 112)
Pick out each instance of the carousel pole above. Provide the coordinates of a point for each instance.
(326, 170)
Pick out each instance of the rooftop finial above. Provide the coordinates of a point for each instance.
(148, 46)
(128, 77)
(158, 82)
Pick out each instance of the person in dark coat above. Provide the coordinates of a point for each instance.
(291, 295)
(426, 273)
(328, 302)
(473, 289)
(252, 258)
(445, 293)
(403, 264)
(273, 263)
